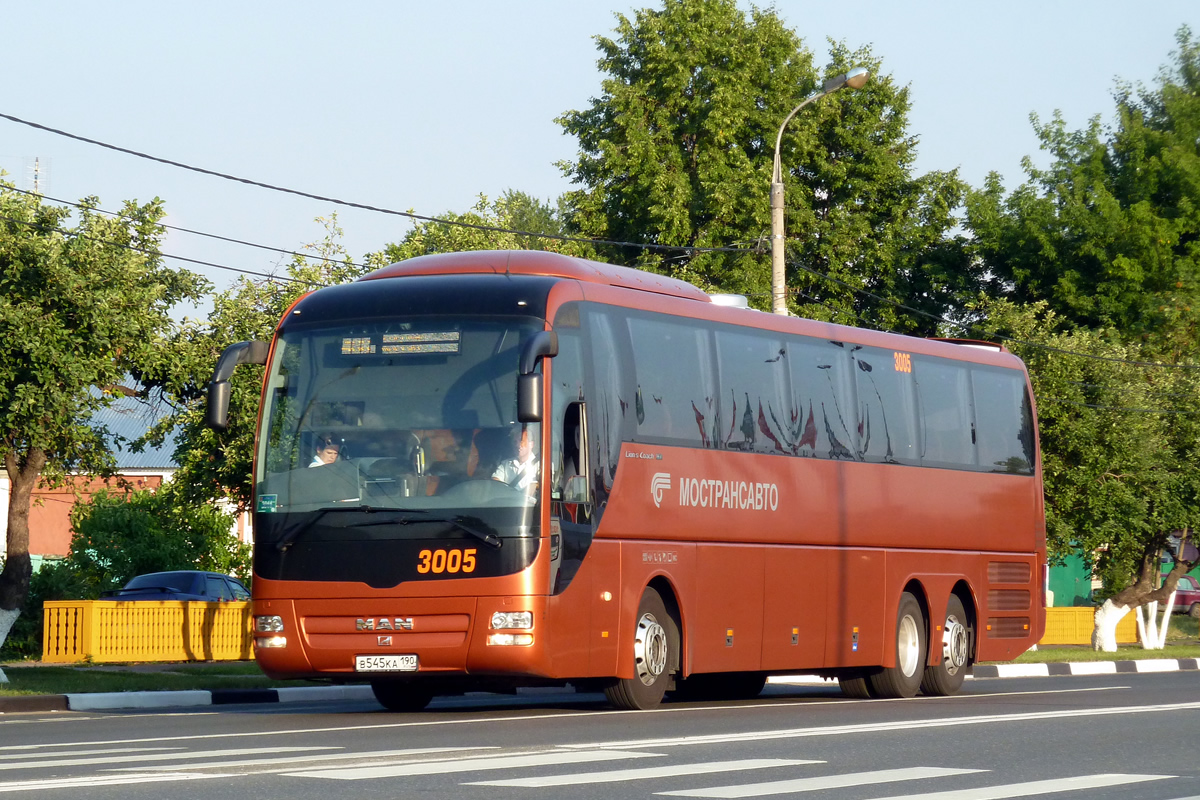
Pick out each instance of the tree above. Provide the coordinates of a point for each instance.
(1109, 233)
(80, 308)
(677, 151)
(1119, 446)
(1107, 240)
(490, 226)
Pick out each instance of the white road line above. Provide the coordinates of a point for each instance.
(778, 706)
(96, 780)
(77, 753)
(125, 759)
(1031, 788)
(470, 765)
(672, 771)
(291, 760)
(884, 727)
(821, 782)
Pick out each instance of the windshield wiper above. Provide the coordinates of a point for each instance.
(464, 524)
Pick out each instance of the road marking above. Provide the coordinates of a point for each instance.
(568, 715)
(885, 727)
(77, 753)
(821, 782)
(673, 771)
(98, 780)
(255, 762)
(471, 765)
(1031, 788)
(124, 759)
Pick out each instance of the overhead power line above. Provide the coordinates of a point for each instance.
(364, 206)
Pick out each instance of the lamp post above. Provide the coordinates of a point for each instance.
(855, 79)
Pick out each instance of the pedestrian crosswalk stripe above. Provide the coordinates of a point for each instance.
(675, 770)
(127, 758)
(821, 782)
(289, 762)
(1032, 788)
(472, 764)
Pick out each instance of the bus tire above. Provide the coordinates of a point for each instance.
(904, 679)
(946, 678)
(857, 686)
(655, 645)
(401, 696)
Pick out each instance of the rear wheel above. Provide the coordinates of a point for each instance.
(857, 686)
(401, 695)
(947, 677)
(904, 679)
(655, 645)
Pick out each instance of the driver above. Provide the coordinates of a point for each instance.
(520, 472)
(327, 451)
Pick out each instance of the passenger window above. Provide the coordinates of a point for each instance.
(756, 394)
(674, 398)
(1004, 425)
(947, 433)
(887, 414)
(823, 388)
(217, 590)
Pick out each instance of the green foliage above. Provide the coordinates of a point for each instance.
(497, 223)
(54, 581)
(118, 536)
(1109, 233)
(678, 150)
(1119, 442)
(80, 308)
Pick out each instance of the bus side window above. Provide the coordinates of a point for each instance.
(574, 483)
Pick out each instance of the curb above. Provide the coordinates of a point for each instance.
(110, 701)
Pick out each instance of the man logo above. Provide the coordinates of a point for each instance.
(659, 484)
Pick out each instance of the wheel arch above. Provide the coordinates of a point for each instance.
(670, 597)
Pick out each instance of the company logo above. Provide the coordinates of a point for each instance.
(385, 641)
(384, 624)
(659, 484)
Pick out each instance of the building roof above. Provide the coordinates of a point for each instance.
(127, 419)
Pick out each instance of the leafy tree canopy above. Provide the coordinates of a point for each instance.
(1109, 233)
(677, 150)
(81, 307)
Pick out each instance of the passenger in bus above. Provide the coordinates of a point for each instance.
(327, 452)
(519, 471)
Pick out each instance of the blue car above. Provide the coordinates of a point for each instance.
(182, 585)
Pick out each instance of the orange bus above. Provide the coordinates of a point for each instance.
(484, 470)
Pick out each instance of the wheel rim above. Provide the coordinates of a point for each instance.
(908, 646)
(955, 645)
(650, 649)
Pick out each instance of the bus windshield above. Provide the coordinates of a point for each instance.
(414, 414)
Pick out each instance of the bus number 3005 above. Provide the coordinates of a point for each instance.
(452, 561)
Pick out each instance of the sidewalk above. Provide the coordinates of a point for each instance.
(111, 701)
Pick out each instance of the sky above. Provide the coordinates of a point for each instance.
(426, 106)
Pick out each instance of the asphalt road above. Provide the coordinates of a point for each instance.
(1126, 736)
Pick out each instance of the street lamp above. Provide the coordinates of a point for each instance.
(855, 79)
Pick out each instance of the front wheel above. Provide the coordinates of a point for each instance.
(904, 679)
(654, 649)
(401, 695)
(947, 677)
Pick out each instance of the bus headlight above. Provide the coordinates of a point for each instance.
(269, 624)
(508, 620)
(510, 639)
(271, 641)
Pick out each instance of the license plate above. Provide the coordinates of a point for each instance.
(407, 663)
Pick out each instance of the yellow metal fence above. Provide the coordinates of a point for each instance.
(106, 631)
(1075, 625)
